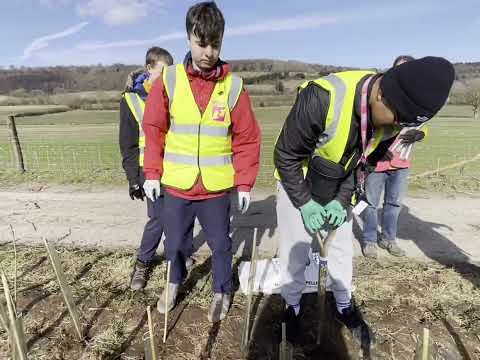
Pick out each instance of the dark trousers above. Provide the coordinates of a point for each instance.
(153, 231)
(214, 217)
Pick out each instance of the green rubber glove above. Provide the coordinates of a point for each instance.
(313, 215)
(336, 214)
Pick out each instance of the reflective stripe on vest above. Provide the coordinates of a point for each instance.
(332, 142)
(137, 107)
(199, 143)
(195, 160)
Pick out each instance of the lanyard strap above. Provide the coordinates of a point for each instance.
(363, 132)
(364, 121)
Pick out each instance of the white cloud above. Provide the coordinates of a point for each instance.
(104, 51)
(285, 24)
(131, 43)
(119, 12)
(44, 41)
(293, 23)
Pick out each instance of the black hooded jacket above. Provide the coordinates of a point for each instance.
(298, 138)
(129, 133)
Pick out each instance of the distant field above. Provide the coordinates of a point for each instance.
(77, 117)
(82, 147)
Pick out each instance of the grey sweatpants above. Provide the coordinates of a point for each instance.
(295, 243)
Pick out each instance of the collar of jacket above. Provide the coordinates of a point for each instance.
(219, 71)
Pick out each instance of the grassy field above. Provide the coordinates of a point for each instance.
(113, 318)
(82, 147)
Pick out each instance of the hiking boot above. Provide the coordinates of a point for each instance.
(392, 247)
(140, 274)
(369, 250)
(172, 298)
(292, 325)
(219, 307)
(352, 318)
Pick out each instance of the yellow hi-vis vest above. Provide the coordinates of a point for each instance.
(199, 144)
(137, 107)
(332, 143)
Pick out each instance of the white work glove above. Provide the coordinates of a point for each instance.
(152, 189)
(243, 201)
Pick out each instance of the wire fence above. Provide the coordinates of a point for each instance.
(83, 154)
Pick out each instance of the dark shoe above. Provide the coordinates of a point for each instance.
(292, 324)
(392, 247)
(352, 318)
(140, 274)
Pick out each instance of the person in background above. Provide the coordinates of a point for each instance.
(390, 176)
(132, 146)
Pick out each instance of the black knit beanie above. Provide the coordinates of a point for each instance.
(418, 89)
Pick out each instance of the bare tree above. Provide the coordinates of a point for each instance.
(280, 86)
(472, 98)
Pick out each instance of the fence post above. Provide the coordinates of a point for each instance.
(17, 149)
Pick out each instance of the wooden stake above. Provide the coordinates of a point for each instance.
(21, 335)
(67, 293)
(17, 149)
(4, 318)
(165, 327)
(426, 344)
(250, 289)
(151, 336)
(14, 265)
(451, 166)
(19, 348)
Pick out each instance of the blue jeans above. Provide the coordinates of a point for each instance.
(153, 231)
(394, 185)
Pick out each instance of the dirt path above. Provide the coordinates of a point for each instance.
(432, 226)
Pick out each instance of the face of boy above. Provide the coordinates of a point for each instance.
(382, 113)
(204, 56)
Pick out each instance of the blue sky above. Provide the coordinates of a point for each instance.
(339, 32)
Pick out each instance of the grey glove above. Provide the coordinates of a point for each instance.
(412, 136)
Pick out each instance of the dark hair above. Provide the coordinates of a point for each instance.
(404, 58)
(154, 54)
(205, 20)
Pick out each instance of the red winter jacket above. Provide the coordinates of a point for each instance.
(246, 137)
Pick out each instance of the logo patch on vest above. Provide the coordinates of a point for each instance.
(218, 112)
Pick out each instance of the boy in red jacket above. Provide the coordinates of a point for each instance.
(202, 141)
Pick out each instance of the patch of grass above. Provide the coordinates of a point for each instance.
(107, 344)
